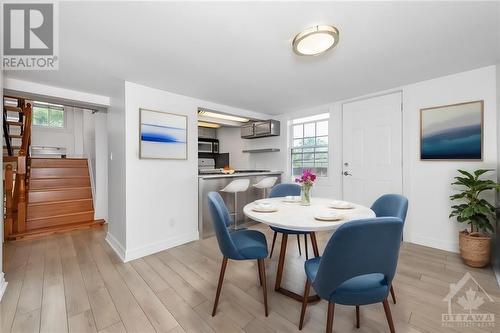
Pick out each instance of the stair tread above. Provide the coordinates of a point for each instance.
(15, 123)
(56, 202)
(13, 108)
(38, 232)
(18, 136)
(54, 189)
(60, 215)
(13, 147)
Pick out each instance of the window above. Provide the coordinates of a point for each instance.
(310, 145)
(48, 115)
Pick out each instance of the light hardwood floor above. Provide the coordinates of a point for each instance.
(74, 282)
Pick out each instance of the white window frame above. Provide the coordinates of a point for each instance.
(308, 120)
(49, 106)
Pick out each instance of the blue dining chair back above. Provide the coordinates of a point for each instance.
(394, 205)
(221, 222)
(284, 189)
(357, 267)
(358, 248)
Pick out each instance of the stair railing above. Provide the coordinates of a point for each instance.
(19, 197)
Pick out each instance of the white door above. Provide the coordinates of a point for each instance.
(372, 141)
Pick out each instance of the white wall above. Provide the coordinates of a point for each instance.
(161, 195)
(3, 284)
(101, 165)
(426, 184)
(496, 254)
(117, 198)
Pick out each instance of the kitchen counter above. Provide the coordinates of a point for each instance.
(208, 183)
(241, 174)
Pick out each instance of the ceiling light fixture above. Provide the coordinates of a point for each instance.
(211, 114)
(209, 125)
(315, 40)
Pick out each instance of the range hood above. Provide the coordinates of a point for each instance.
(260, 129)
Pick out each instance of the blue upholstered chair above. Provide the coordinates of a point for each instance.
(283, 190)
(237, 245)
(357, 267)
(391, 205)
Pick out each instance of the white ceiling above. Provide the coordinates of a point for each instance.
(239, 54)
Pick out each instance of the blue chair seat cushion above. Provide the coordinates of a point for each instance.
(251, 244)
(359, 290)
(289, 232)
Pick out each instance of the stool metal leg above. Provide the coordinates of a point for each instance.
(235, 210)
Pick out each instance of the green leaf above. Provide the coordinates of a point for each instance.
(479, 172)
(465, 173)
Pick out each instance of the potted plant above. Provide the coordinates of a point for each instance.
(306, 180)
(475, 243)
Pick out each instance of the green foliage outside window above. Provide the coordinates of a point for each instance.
(48, 115)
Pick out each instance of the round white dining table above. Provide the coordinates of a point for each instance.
(294, 216)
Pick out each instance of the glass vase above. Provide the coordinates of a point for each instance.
(305, 196)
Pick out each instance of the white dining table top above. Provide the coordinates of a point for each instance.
(294, 216)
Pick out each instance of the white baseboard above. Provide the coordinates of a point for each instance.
(434, 243)
(142, 251)
(116, 246)
(3, 285)
(168, 243)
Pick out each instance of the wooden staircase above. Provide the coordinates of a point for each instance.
(42, 195)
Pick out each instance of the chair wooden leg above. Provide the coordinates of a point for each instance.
(262, 271)
(304, 304)
(298, 243)
(219, 286)
(272, 246)
(305, 245)
(281, 262)
(387, 310)
(314, 244)
(393, 294)
(357, 316)
(329, 319)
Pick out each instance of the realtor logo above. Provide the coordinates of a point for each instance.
(30, 36)
(469, 296)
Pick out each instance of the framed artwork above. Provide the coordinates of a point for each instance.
(162, 135)
(452, 132)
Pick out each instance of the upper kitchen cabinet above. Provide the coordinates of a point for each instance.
(260, 129)
(207, 133)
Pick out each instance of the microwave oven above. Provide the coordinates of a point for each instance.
(210, 146)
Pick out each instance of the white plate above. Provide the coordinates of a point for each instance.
(338, 204)
(292, 199)
(328, 216)
(262, 209)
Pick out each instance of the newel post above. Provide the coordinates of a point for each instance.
(20, 225)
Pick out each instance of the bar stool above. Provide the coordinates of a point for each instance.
(237, 185)
(265, 183)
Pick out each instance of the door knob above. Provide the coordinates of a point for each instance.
(347, 173)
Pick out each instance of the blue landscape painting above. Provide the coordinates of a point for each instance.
(452, 132)
(163, 135)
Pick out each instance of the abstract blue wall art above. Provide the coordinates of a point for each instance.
(452, 132)
(162, 135)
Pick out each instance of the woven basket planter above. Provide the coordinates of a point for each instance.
(475, 249)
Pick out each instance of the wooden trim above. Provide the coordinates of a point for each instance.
(451, 105)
